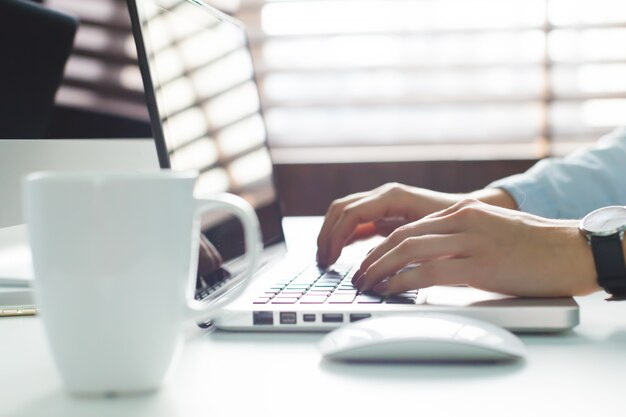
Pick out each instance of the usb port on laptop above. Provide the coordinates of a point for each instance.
(308, 317)
(332, 318)
(262, 318)
(359, 316)
(288, 317)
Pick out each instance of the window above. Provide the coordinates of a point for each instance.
(536, 77)
(102, 73)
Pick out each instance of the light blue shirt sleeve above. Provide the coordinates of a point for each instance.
(570, 187)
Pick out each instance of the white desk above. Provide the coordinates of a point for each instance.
(580, 373)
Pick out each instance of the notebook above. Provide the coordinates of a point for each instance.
(206, 115)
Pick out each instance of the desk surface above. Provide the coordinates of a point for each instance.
(581, 373)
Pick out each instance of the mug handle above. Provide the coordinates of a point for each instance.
(199, 311)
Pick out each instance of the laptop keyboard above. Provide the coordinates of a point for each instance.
(333, 286)
(208, 285)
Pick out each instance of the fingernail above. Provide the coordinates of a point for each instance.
(381, 287)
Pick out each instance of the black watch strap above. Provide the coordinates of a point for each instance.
(609, 259)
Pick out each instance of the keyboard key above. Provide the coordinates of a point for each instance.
(308, 276)
(283, 295)
(307, 282)
(279, 300)
(305, 278)
(313, 299)
(332, 282)
(297, 293)
(345, 291)
(341, 299)
(261, 300)
(368, 299)
(334, 278)
(399, 300)
(296, 288)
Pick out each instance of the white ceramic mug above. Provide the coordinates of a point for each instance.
(115, 257)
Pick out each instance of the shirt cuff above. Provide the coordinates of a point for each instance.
(531, 196)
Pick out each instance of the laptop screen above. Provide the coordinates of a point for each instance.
(205, 110)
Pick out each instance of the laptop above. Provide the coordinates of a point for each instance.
(205, 111)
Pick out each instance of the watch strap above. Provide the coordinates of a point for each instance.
(608, 256)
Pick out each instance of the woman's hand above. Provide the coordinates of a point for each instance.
(209, 259)
(485, 247)
(382, 210)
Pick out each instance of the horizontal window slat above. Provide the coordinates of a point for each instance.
(105, 55)
(262, 69)
(108, 13)
(114, 26)
(88, 99)
(419, 152)
(403, 124)
(258, 36)
(111, 90)
(431, 101)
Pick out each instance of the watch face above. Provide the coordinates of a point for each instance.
(605, 221)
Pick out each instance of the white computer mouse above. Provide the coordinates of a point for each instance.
(423, 337)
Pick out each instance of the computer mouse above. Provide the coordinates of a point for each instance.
(424, 337)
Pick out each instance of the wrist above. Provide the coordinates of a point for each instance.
(586, 278)
(495, 197)
(564, 260)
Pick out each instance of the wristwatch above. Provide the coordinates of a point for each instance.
(604, 229)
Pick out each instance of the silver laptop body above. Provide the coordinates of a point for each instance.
(206, 115)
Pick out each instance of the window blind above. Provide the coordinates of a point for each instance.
(101, 73)
(541, 75)
(545, 74)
